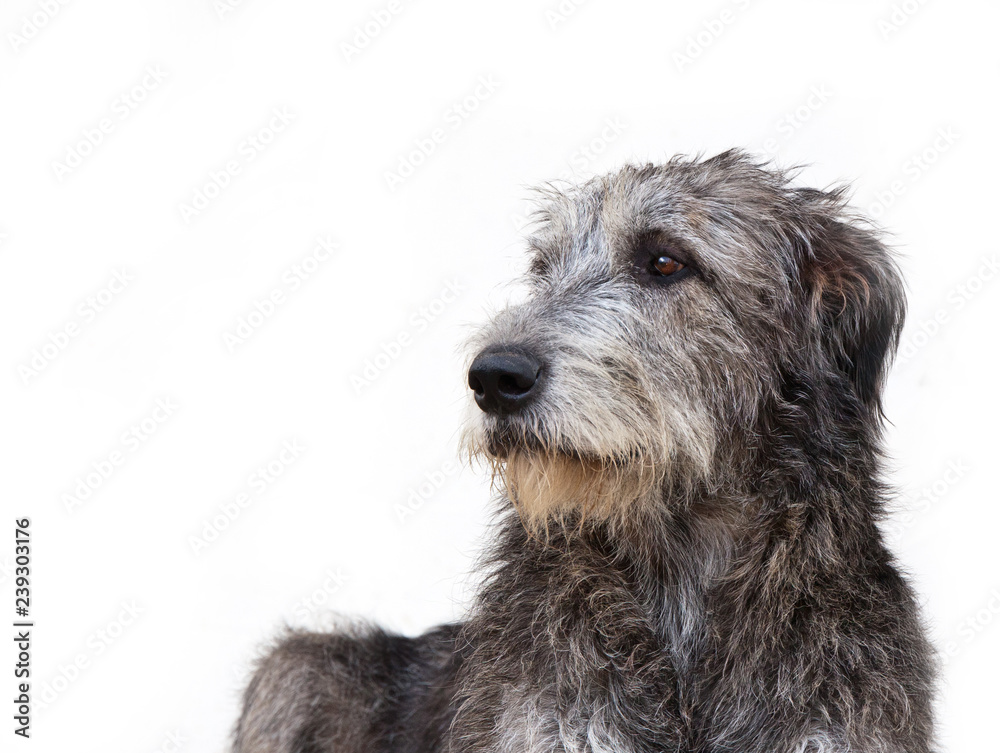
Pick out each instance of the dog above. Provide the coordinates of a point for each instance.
(684, 420)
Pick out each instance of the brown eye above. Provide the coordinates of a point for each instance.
(667, 266)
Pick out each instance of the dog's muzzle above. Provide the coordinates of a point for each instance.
(504, 380)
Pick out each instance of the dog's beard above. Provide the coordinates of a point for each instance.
(548, 485)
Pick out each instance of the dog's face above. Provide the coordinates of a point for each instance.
(667, 306)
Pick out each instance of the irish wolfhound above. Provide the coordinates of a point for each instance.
(685, 418)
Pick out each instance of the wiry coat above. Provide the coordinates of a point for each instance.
(688, 558)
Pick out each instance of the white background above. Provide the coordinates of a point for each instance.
(899, 99)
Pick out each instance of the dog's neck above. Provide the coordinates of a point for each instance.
(657, 567)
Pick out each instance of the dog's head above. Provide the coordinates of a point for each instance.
(668, 307)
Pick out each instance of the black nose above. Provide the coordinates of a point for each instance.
(504, 381)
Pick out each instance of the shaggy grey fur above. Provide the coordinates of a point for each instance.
(687, 557)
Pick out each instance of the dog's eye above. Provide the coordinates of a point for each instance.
(666, 266)
(658, 259)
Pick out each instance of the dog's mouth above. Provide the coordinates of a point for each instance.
(503, 440)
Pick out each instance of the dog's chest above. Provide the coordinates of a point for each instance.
(528, 725)
(593, 657)
(599, 680)
(531, 723)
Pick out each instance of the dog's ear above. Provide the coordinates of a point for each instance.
(857, 302)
